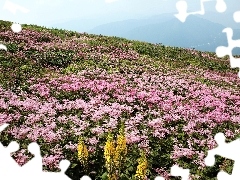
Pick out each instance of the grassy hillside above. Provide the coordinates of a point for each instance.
(42, 50)
(57, 86)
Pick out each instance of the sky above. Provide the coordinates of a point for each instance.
(45, 12)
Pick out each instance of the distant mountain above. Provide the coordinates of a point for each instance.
(225, 19)
(81, 24)
(120, 28)
(196, 32)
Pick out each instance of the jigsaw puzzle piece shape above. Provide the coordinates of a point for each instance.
(12, 7)
(236, 16)
(182, 10)
(182, 7)
(227, 150)
(223, 176)
(3, 126)
(223, 51)
(210, 159)
(3, 47)
(85, 178)
(7, 164)
(35, 164)
(64, 164)
(177, 171)
(35, 171)
(221, 6)
(159, 178)
(33, 168)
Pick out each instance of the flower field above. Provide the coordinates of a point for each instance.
(58, 86)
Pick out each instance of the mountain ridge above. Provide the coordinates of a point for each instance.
(174, 31)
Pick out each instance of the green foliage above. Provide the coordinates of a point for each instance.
(12, 47)
(56, 58)
(4, 25)
(15, 71)
(147, 49)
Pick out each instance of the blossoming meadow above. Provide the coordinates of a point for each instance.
(167, 103)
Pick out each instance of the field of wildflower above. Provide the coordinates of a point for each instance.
(117, 109)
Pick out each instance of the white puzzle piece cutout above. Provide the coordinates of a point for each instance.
(10, 169)
(222, 51)
(226, 150)
(236, 16)
(12, 7)
(177, 171)
(182, 8)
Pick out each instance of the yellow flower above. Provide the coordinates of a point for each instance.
(115, 156)
(112, 177)
(141, 168)
(82, 152)
(121, 149)
(109, 151)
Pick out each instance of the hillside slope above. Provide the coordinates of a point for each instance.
(62, 89)
(39, 49)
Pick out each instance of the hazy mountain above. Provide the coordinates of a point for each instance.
(85, 24)
(120, 28)
(80, 25)
(196, 32)
(202, 32)
(225, 19)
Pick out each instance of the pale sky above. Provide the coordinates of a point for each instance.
(43, 11)
(50, 11)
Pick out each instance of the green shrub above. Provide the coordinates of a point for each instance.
(57, 58)
(12, 47)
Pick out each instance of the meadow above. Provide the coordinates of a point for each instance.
(60, 86)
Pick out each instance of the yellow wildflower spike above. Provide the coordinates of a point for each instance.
(142, 167)
(109, 151)
(82, 152)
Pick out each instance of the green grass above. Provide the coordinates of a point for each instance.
(152, 58)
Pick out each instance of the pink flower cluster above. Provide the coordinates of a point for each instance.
(152, 102)
(42, 42)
